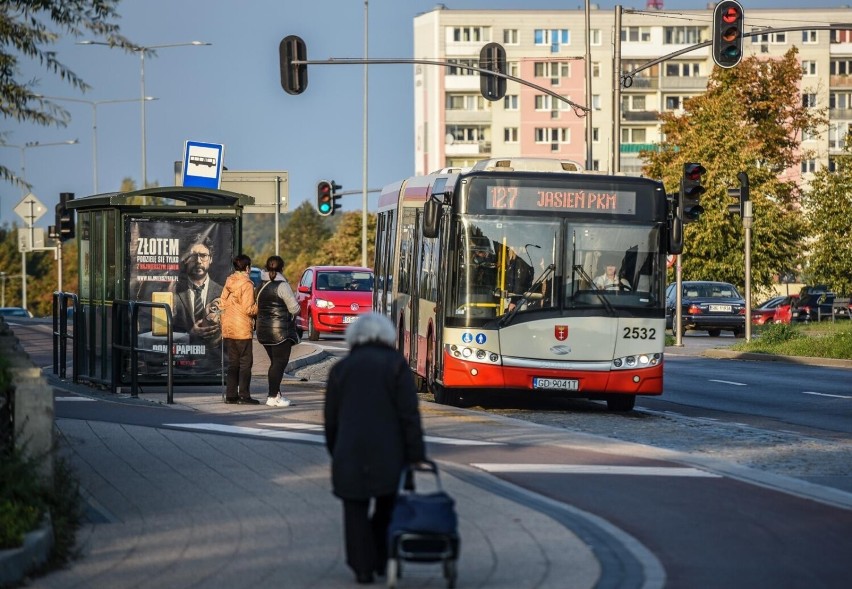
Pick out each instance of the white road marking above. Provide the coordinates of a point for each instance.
(826, 395)
(74, 399)
(304, 437)
(673, 471)
(737, 384)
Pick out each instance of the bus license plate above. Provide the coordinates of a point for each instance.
(563, 384)
(349, 318)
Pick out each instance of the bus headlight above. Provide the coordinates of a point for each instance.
(472, 354)
(637, 361)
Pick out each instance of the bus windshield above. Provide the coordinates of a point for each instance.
(530, 263)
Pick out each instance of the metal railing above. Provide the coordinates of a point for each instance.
(61, 335)
(128, 311)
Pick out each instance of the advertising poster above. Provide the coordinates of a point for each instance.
(183, 263)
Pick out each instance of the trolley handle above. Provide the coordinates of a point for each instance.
(406, 478)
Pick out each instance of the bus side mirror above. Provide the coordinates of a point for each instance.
(431, 217)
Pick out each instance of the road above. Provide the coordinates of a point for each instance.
(653, 517)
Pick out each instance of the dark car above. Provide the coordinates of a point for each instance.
(708, 306)
(765, 312)
(18, 312)
(805, 307)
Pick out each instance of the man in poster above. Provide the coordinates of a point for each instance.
(196, 309)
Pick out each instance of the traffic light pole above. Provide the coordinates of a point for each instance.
(747, 221)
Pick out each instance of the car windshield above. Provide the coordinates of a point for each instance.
(714, 290)
(359, 281)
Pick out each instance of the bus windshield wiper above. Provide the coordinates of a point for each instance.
(527, 296)
(578, 268)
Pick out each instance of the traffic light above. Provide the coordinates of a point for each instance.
(65, 217)
(691, 191)
(325, 202)
(741, 194)
(493, 58)
(294, 77)
(727, 33)
(335, 196)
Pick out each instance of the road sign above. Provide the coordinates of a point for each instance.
(30, 209)
(26, 244)
(202, 164)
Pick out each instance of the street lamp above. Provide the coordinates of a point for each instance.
(94, 104)
(30, 145)
(141, 50)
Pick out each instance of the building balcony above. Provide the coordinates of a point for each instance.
(642, 83)
(640, 115)
(469, 148)
(697, 83)
(840, 114)
(461, 83)
(840, 82)
(473, 117)
(636, 148)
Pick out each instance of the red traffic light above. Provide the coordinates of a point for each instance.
(693, 172)
(730, 14)
(727, 32)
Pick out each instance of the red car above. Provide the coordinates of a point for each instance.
(332, 297)
(765, 312)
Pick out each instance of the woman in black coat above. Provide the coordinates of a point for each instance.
(372, 431)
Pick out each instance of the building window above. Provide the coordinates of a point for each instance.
(810, 135)
(595, 37)
(454, 70)
(632, 103)
(629, 135)
(472, 102)
(808, 166)
(596, 165)
(809, 37)
(596, 101)
(842, 100)
(596, 69)
(596, 134)
(465, 133)
(682, 35)
(841, 36)
(512, 68)
(510, 135)
(552, 135)
(809, 68)
(545, 102)
(471, 34)
(840, 67)
(636, 34)
(682, 70)
(510, 36)
(510, 102)
(674, 102)
(837, 135)
(809, 100)
(771, 38)
(552, 69)
(553, 37)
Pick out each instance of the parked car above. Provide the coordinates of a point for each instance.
(808, 306)
(707, 305)
(332, 297)
(765, 312)
(19, 312)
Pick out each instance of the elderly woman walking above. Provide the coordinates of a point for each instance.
(372, 431)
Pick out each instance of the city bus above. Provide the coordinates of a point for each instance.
(494, 277)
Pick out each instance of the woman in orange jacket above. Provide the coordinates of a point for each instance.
(238, 307)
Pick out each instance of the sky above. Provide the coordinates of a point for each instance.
(229, 93)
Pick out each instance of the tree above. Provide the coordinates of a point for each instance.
(827, 205)
(344, 248)
(303, 235)
(750, 119)
(28, 28)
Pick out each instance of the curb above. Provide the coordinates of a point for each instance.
(16, 563)
(755, 356)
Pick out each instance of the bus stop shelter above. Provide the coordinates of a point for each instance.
(144, 248)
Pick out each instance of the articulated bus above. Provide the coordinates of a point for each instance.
(497, 280)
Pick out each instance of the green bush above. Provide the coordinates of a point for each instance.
(777, 333)
(22, 504)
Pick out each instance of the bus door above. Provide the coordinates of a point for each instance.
(415, 288)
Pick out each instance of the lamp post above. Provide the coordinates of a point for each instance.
(141, 50)
(29, 145)
(94, 104)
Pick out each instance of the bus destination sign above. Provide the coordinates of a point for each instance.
(577, 200)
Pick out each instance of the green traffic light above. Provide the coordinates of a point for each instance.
(324, 207)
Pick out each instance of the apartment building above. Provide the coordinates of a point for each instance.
(456, 126)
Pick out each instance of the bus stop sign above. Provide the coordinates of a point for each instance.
(202, 164)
